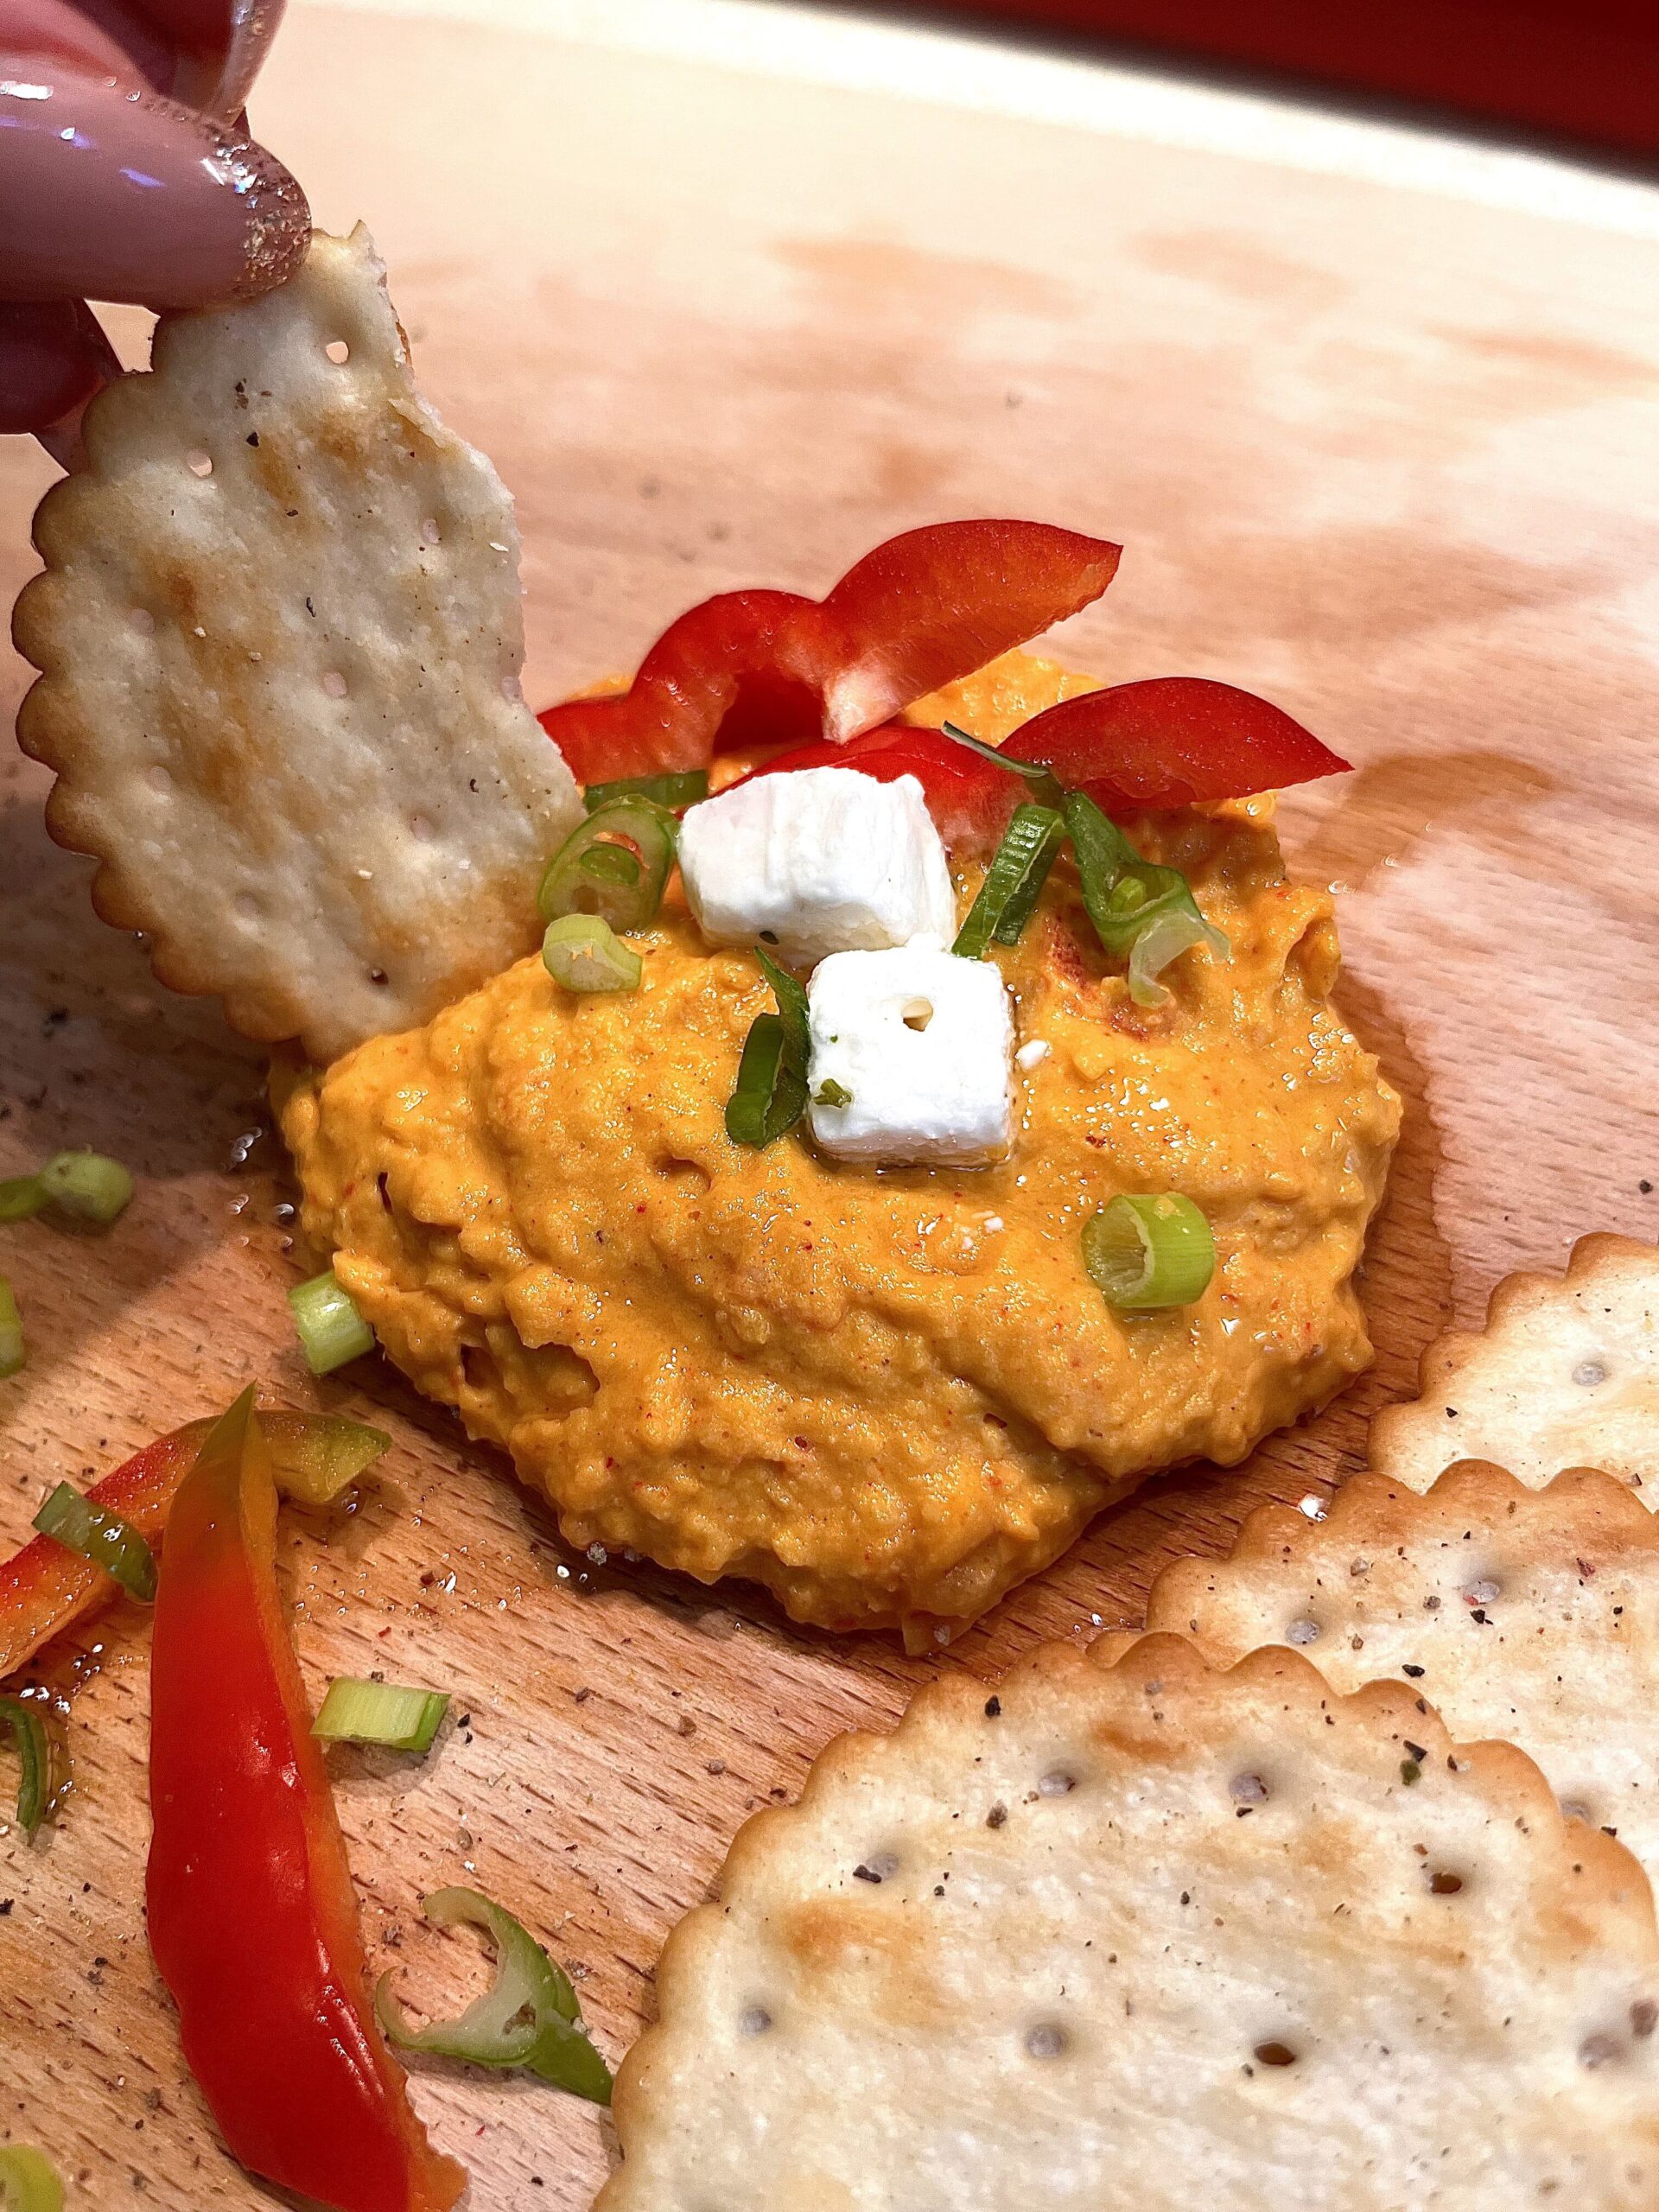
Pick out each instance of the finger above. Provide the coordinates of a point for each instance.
(222, 44)
(52, 357)
(102, 38)
(107, 193)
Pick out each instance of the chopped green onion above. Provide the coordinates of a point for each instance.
(1013, 881)
(771, 1093)
(103, 1537)
(671, 791)
(332, 1330)
(35, 1790)
(13, 1352)
(87, 1184)
(315, 1456)
(29, 2180)
(20, 1196)
(379, 1713)
(529, 2017)
(1149, 1251)
(1043, 785)
(585, 954)
(831, 1093)
(1138, 907)
(614, 865)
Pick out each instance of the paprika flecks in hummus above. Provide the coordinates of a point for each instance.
(891, 1396)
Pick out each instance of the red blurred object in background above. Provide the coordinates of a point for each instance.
(1581, 69)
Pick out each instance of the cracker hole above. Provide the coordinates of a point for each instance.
(1274, 2053)
(1056, 1782)
(199, 463)
(142, 621)
(1247, 1789)
(338, 352)
(247, 907)
(1047, 2040)
(1486, 1592)
(420, 827)
(334, 684)
(1599, 2050)
(1444, 1884)
(917, 1014)
(159, 778)
(880, 1866)
(1589, 1372)
(432, 535)
(1302, 1631)
(1574, 1809)
(753, 2020)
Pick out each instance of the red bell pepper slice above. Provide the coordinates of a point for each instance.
(969, 798)
(251, 1916)
(1172, 741)
(920, 611)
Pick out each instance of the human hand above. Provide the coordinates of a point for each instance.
(126, 173)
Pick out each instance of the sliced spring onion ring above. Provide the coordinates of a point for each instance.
(1150, 1250)
(831, 1093)
(380, 1712)
(528, 2017)
(13, 1352)
(87, 1184)
(20, 1196)
(1013, 882)
(35, 1790)
(332, 1330)
(614, 865)
(671, 791)
(1139, 908)
(101, 1536)
(29, 2180)
(1043, 785)
(771, 1093)
(584, 953)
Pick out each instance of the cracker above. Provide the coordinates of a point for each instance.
(1527, 1614)
(280, 635)
(1565, 1374)
(1147, 1936)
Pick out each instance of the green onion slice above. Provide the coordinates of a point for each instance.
(103, 1537)
(20, 1196)
(12, 1350)
(1149, 1251)
(1139, 908)
(584, 953)
(315, 1456)
(332, 1330)
(1013, 880)
(87, 1184)
(528, 2017)
(612, 866)
(35, 1790)
(833, 1094)
(772, 1093)
(672, 791)
(379, 1713)
(29, 2180)
(1043, 785)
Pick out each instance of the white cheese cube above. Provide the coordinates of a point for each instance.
(816, 860)
(918, 1046)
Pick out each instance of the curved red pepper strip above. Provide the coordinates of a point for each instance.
(969, 796)
(1172, 741)
(923, 609)
(45, 1586)
(251, 1916)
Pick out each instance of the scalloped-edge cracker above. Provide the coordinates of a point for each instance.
(279, 635)
(1527, 1614)
(1140, 1937)
(1565, 1374)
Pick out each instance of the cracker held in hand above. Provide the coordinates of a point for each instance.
(1144, 1937)
(1529, 1614)
(279, 635)
(1565, 1374)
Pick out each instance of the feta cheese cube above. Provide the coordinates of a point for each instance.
(915, 1047)
(816, 860)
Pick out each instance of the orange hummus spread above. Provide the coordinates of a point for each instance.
(887, 1394)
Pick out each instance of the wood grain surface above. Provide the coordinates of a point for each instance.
(1389, 454)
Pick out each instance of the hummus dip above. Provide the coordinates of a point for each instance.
(887, 1396)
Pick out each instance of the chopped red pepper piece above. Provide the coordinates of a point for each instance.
(920, 611)
(253, 1919)
(969, 796)
(1172, 741)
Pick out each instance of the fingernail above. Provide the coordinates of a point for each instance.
(110, 194)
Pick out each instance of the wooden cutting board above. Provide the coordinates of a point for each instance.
(1377, 420)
